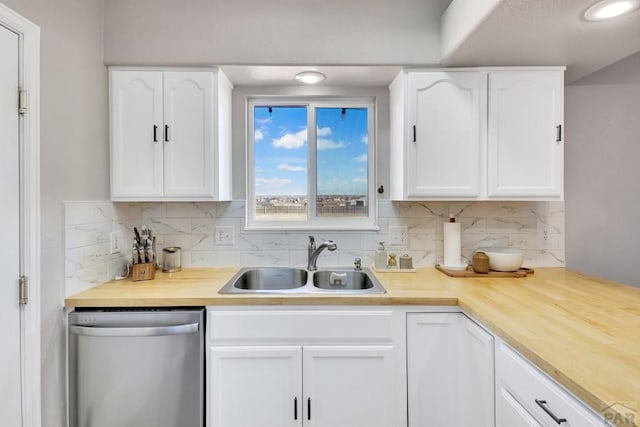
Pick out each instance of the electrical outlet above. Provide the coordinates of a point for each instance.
(546, 236)
(399, 236)
(114, 242)
(224, 235)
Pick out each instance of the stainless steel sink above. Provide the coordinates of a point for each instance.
(343, 280)
(266, 279)
(299, 281)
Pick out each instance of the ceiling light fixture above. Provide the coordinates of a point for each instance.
(607, 9)
(310, 77)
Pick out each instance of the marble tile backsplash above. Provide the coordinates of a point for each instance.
(192, 226)
(87, 244)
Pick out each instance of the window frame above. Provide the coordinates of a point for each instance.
(313, 221)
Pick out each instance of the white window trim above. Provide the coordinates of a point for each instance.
(313, 222)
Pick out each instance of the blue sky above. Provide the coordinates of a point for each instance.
(281, 147)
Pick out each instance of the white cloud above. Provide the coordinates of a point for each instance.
(359, 180)
(291, 140)
(326, 131)
(327, 144)
(258, 135)
(361, 158)
(266, 121)
(365, 139)
(287, 167)
(272, 182)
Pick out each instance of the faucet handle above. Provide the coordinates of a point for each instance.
(358, 264)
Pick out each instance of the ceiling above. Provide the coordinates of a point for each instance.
(547, 32)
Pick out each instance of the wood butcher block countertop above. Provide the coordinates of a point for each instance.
(582, 331)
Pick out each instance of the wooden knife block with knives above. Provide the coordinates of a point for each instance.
(143, 255)
(146, 271)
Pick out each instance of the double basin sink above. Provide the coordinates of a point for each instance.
(300, 281)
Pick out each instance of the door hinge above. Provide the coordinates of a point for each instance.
(22, 101)
(24, 290)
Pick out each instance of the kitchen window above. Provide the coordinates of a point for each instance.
(310, 164)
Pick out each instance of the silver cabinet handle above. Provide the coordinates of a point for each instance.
(154, 331)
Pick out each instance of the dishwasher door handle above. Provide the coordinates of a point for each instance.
(152, 331)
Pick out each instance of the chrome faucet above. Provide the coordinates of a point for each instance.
(313, 251)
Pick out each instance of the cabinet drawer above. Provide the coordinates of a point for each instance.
(535, 391)
(300, 327)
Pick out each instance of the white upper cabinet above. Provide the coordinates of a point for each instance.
(443, 156)
(525, 148)
(477, 134)
(170, 135)
(136, 134)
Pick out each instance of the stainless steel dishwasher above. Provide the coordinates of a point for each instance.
(142, 368)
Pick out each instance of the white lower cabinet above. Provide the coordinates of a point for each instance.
(374, 367)
(449, 371)
(348, 386)
(255, 386)
(324, 386)
(527, 397)
(511, 413)
(477, 375)
(312, 368)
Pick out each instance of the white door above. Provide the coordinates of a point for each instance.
(525, 148)
(443, 151)
(349, 386)
(189, 135)
(255, 386)
(476, 375)
(137, 131)
(432, 369)
(10, 387)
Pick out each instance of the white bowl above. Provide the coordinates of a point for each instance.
(504, 259)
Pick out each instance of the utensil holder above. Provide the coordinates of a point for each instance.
(146, 271)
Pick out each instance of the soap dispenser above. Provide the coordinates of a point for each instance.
(381, 257)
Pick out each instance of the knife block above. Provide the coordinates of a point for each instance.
(146, 271)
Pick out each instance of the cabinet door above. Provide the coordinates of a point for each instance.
(349, 386)
(188, 134)
(443, 149)
(510, 413)
(525, 154)
(136, 134)
(476, 375)
(432, 369)
(255, 386)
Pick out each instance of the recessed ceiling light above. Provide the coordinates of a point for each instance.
(607, 9)
(310, 77)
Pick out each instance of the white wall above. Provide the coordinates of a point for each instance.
(602, 115)
(74, 156)
(282, 32)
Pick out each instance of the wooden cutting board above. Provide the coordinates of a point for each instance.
(523, 272)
